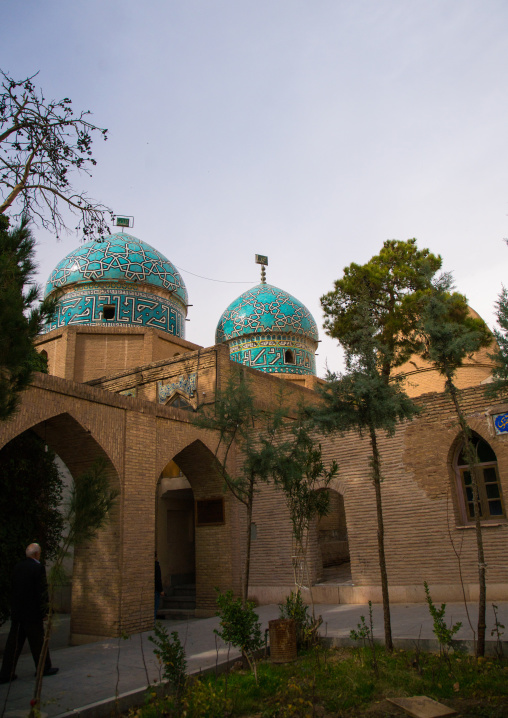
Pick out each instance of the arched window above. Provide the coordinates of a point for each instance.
(489, 487)
(289, 357)
(178, 402)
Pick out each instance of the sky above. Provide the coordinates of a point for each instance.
(309, 131)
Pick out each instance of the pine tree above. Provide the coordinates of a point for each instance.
(362, 400)
(20, 317)
(499, 384)
(373, 311)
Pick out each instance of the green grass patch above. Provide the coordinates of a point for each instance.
(343, 682)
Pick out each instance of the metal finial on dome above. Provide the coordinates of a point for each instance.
(262, 259)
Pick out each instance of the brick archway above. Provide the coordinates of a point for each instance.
(213, 551)
(93, 611)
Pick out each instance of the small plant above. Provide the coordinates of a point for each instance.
(292, 701)
(365, 633)
(498, 633)
(240, 626)
(295, 608)
(442, 632)
(205, 699)
(171, 655)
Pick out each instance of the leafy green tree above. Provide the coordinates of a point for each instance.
(449, 335)
(373, 312)
(21, 319)
(238, 421)
(41, 143)
(29, 506)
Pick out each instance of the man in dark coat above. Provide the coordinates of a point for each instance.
(29, 607)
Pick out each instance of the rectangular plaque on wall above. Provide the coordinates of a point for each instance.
(500, 423)
(209, 511)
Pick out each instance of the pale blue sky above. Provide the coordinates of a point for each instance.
(307, 131)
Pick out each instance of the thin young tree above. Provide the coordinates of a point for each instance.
(241, 423)
(299, 470)
(361, 400)
(449, 335)
(87, 510)
(373, 312)
(42, 142)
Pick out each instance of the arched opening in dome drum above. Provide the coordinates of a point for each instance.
(108, 312)
(289, 357)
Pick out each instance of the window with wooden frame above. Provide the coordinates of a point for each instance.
(210, 512)
(489, 486)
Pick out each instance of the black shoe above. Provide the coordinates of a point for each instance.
(8, 680)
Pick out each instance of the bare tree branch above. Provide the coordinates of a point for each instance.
(41, 143)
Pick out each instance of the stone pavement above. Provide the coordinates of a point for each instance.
(92, 675)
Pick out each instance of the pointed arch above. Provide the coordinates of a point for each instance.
(489, 486)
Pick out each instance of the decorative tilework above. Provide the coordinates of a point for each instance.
(184, 385)
(268, 329)
(131, 308)
(292, 356)
(263, 309)
(119, 257)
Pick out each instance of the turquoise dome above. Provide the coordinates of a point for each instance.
(268, 329)
(265, 309)
(117, 258)
(118, 281)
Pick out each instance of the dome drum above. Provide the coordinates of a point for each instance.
(118, 281)
(272, 354)
(116, 307)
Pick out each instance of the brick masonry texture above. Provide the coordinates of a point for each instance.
(113, 575)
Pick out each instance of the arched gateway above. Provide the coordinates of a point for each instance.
(112, 590)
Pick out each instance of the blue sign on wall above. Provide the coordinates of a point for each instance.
(501, 423)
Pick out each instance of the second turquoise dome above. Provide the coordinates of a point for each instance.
(269, 330)
(265, 309)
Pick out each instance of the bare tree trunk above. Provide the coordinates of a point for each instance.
(250, 503)
(471, 460)
(376, 476)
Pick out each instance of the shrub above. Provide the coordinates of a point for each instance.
(171, 655)
(240, 626)
(295, 608)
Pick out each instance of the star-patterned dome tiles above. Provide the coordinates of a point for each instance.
(265, 309)
(119, 257)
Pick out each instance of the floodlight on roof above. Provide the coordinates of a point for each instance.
(123, 220)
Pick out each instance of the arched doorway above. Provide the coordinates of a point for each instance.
(333, 542)
(175, 542)
(195, 520)
(96, 585)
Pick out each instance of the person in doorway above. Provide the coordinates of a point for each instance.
(159, 589)
(29, 608)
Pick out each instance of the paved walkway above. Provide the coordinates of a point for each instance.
(92, 675)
